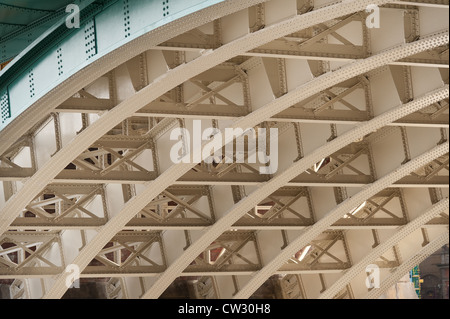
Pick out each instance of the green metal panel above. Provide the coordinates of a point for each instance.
(109, 26)
(10, 13)
(23, 21)
(144, 15)
(20, 91)
(66, 51)
(43, 5)
(8, 28)
(46, 71)
(73, 51)
(21, 38)
(173, 6)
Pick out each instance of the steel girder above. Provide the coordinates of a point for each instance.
(145, 195)
(345, 207)
(53, 166)
(435, 210)
(213, 231)
(107, 58)
(415, 259)
(132, 124)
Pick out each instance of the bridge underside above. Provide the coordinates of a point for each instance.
(87, 179)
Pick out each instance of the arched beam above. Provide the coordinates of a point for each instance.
(60, 93)
(174, 172)
(319, 227)
(406, 266)
(173, 78)
(83, 140)
(52, 18)
(278, 181)
(402, 233)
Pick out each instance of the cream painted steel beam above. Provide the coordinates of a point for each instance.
(171, 110)
(346, 72)
(173, 78)
(250, 201)
(199, 179)
(120, 112)
(33, 114)
(137, 225)
(58, 223)
(22, 197)
(431, 4)
(407, 265)
(342, 209)
(400, 234)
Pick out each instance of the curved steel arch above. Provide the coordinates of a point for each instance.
(261, 36)
(402, 233)
(250, 201)
(104, 62)
(101, 65)
(125, 109)
(50, 20)
(173, 173)
(403, 269)
(313, 231)
(128, 107)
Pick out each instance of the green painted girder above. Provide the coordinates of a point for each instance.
(37, 5)
(22, 21)
(61, 52)
(20, 15)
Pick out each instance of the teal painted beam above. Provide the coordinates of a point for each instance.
(64, 52)
(32, 19)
